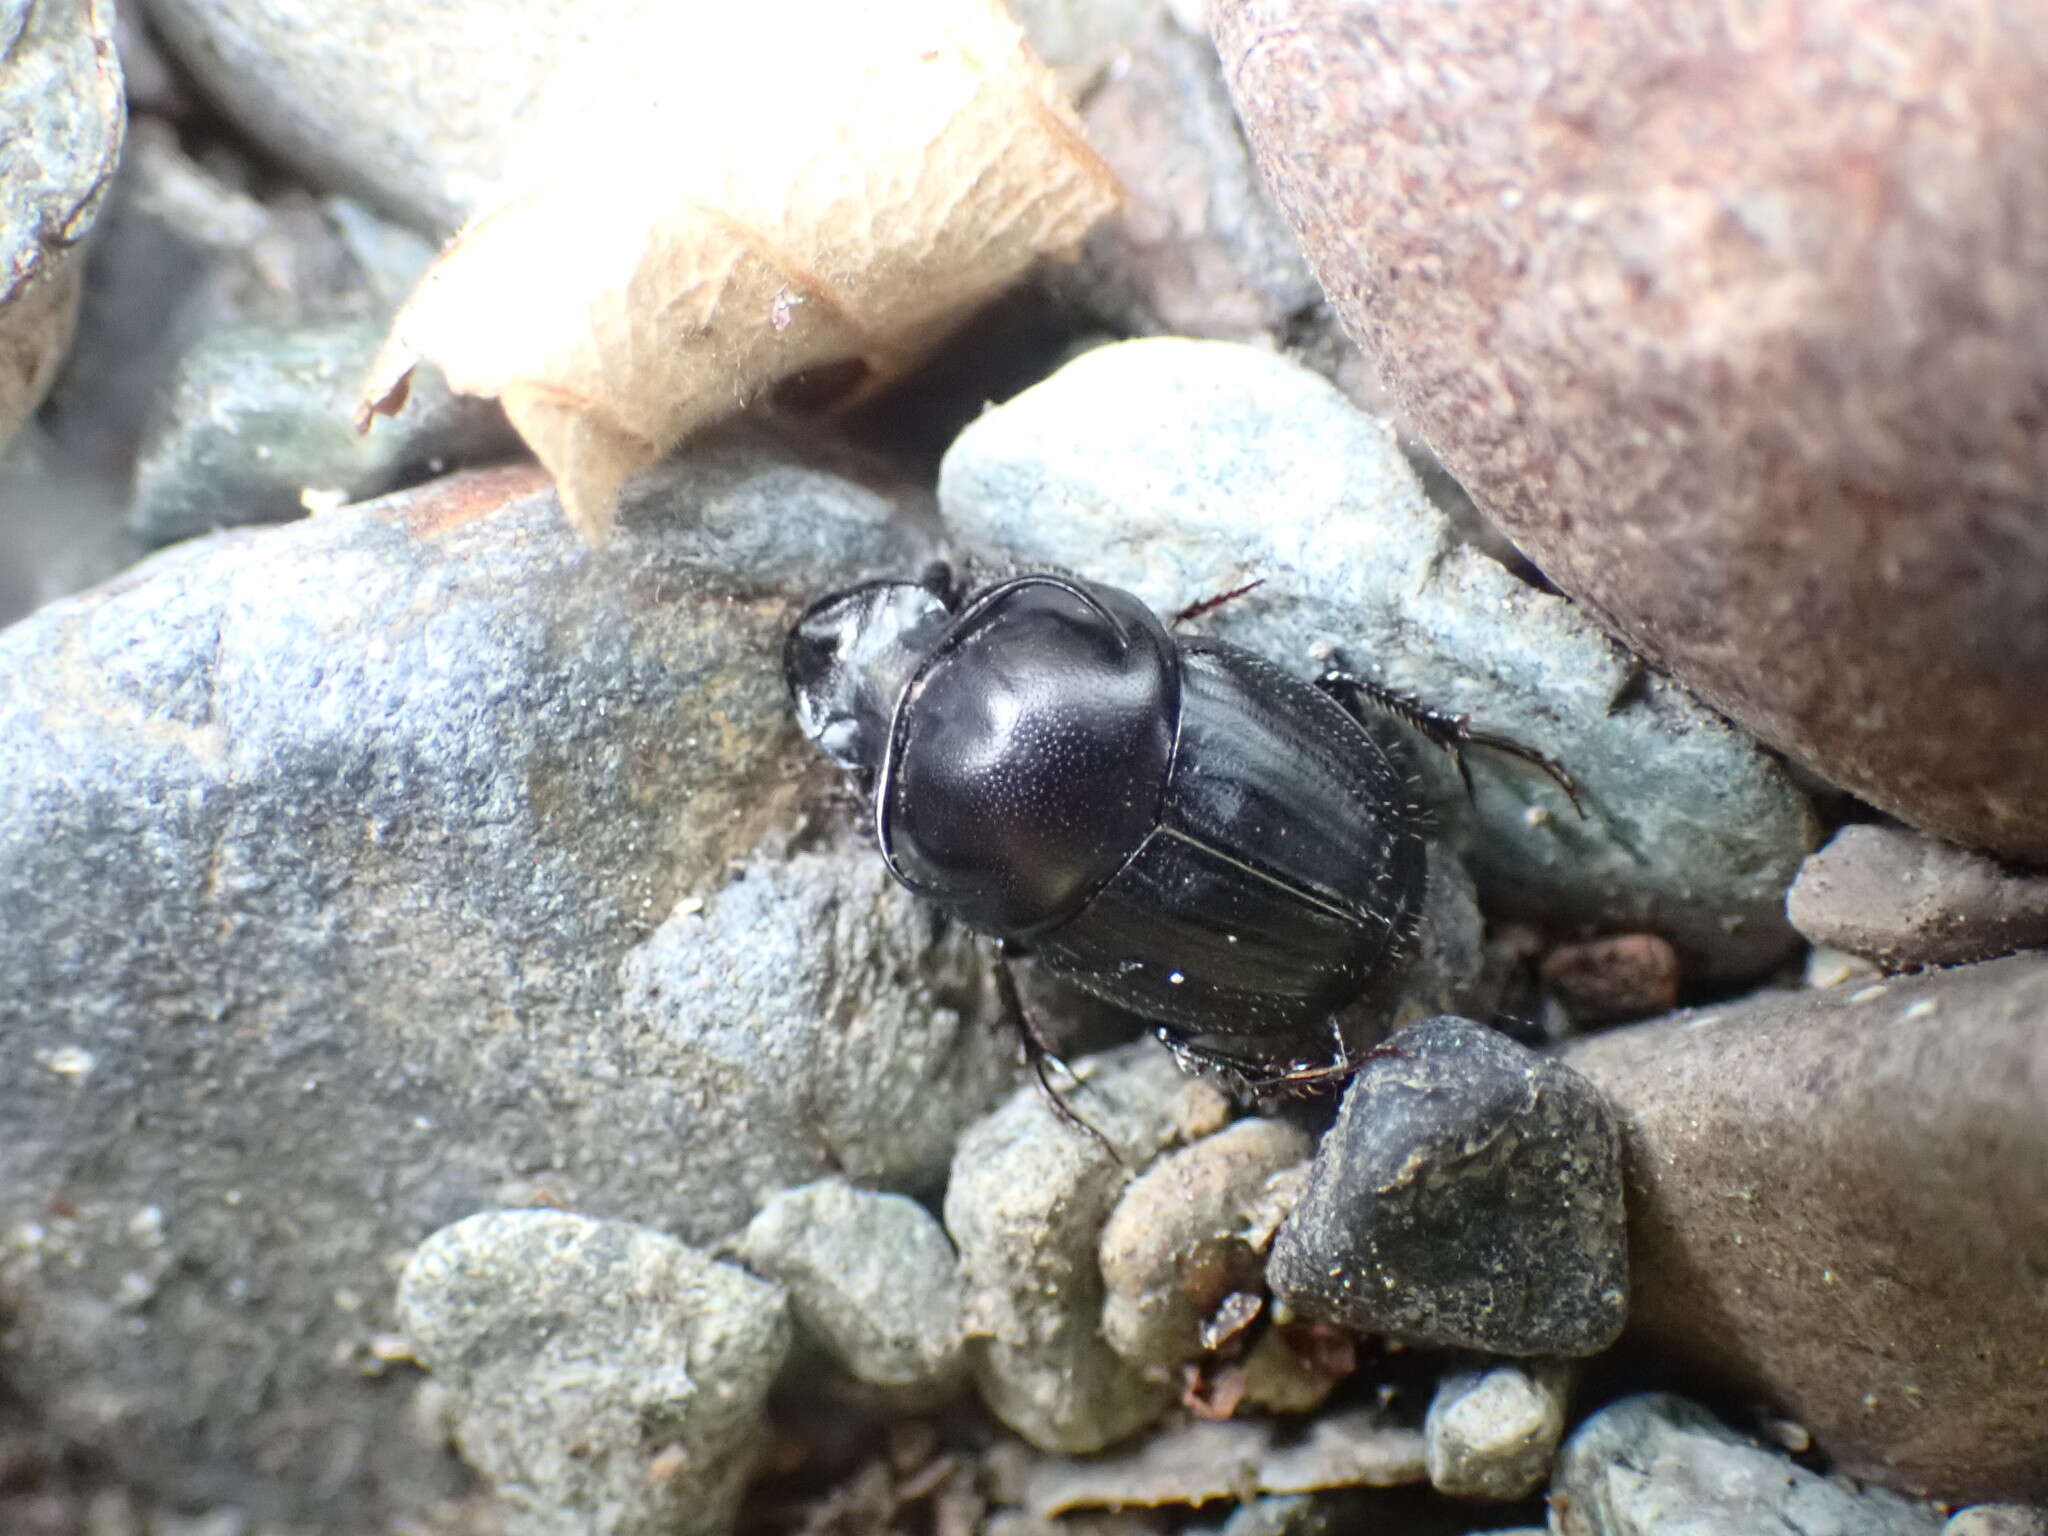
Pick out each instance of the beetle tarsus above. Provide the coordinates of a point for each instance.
(1453, 733)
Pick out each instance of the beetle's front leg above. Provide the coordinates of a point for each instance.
(1453, 733)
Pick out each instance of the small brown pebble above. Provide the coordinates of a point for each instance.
(1623, 976)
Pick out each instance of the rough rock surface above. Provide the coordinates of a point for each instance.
(1726, 317)
(364, 872)
(1998, 1520)
(1491, 1434)
(608, 1380)
(1181, 469)
(1838, 1206)
(870, 1276)
(1655, 1463)
(1026, 1207)
(255, 418)
(404, 106)
(1904, 899)
(1469, 1195)
(60, 96)
(1190, 1231)
(1198, 1462)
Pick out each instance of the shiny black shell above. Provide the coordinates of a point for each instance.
(1179, 827)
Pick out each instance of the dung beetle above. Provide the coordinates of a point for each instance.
(1174, 824)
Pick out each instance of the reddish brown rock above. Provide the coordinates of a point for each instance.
(1838, 1207)
(1730, 316)
(1622, 976)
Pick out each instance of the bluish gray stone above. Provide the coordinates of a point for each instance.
(871, 1277)
(607, 1380)
(1657, 1465)
(1180, 469)
(368, 871)
(254, 418)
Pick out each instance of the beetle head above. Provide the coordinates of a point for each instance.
(847, 659)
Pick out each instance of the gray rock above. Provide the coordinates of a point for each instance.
(1905, 899)
(406, 107)
(1198, 1462)
(608, 1380)
(60, 96)
(255, 426)
(1492, 1433)
(1469, 1195)
(1655, 1463)
(1180, 469)
(350, 881)
(870, 1276)
(1998, 1520)
(1838, 1206)
(1187, 1233)
(1197, 247)
(1026, 1206)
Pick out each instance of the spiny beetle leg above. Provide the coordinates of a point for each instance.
(1454, 733)
(1039, 1052)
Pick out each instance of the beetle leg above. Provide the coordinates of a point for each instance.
(1211, 604)
(1453, 733)
(1254, 1076)
(1039, 1053)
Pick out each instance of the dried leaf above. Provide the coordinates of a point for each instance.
(711, 199)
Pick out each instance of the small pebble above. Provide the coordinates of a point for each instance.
(1492, 1434)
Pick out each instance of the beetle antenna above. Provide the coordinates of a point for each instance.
(1039, 1053)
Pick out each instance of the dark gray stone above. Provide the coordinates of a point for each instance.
(1655, 1464)
(1469, 1195)
(1180, 469)
(607, 1380)
(1905, 899)
(254, 425)
(871, 1277)
(364, 872)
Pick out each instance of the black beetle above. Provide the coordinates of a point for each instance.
(1174, 824)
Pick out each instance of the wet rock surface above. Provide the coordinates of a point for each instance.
(61, 97)
(1838, 1204)
(1182, 469)
(1025, 1208)
(1469, 1195)
(1659, 289)
(870, 1276)
(1491, 1434)
(358, 874)
(1658, 1463)
(607, 1379)
(1904, 899)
